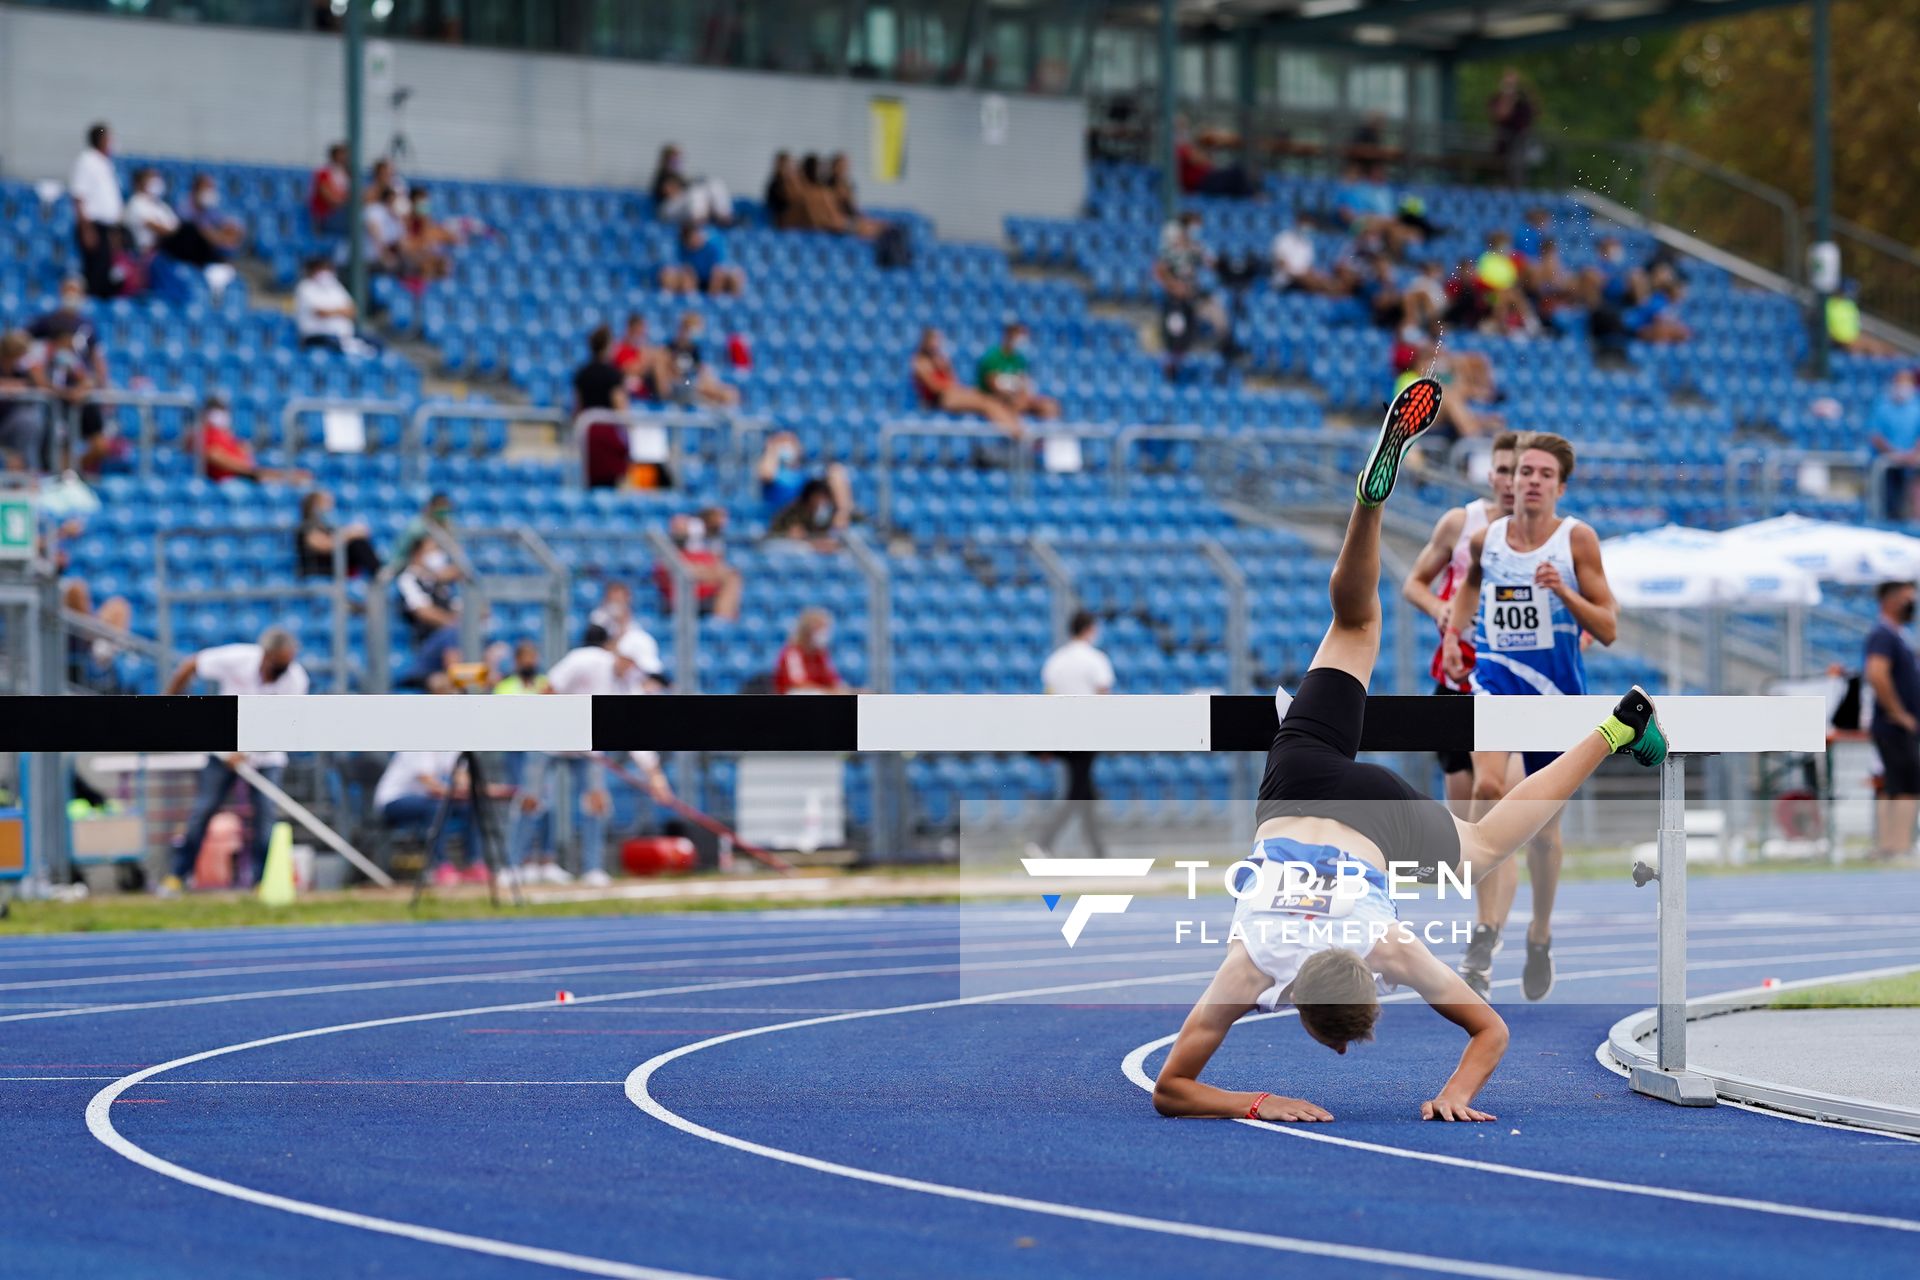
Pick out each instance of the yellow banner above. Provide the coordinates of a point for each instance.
(889, 139)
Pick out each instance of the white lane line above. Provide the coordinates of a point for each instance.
(637, 946)
(100, 1124)
(642, 1097)
(528, 975)
(1134, 1067)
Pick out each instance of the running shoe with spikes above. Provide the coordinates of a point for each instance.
(1634, 727)
(1477, 966)
(1411, 413)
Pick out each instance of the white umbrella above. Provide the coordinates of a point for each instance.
(1835, 552)
(1680, 568)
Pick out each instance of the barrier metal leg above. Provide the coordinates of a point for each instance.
(1669, 1080)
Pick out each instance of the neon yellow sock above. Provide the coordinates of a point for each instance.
(1618, 735)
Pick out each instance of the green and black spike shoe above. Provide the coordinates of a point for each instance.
(1635, 728)
(1410, 414)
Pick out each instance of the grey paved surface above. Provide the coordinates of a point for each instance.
(1858, 1053)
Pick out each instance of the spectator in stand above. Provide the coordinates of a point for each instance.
(228, 457)
(328, 192)
(76, 367)
(1497, 276)
(682, 200)
(150, 219)
(1293, 256)
(271, 666)
(384, 218)
(781, 197)
(641, 362)
(804, 665)
(1199, 175)
(411, 793)
(784, 477)
(98, 211)
(432, 609)
(703, 266)
(1893, 431)
(324, 312)
(694, 381)
(207, 237)
(1548, 283)
(23, 423)
(1608, 290)
(1368, 145)
(939, 387)
(1077, 668)
(1844, 329)
(1187, 310)
(1424, 302)
(718, 586)
(435, 521)
(1657, 318)
(317, 536)
(839, 181)
(1511, 113)
(1005, 374)
(600, 388)
(425, 245)
(94, 663)
(1364, 206)
(55, 364)
(815, 518)
(817, 208)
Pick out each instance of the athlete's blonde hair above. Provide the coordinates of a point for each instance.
(1335, 994)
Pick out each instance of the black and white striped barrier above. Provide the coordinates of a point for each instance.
(950, 722)
(861, 722)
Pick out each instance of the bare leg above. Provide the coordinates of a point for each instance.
(1352, 643)
(1544, 853)
(1527, 809)
(1460, 793)
(1493, 777)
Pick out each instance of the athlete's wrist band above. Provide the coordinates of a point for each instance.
(1253, 1112)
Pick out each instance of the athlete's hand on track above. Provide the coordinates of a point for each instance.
(1445, 1108)
(1275, 1107)
(1545, 575)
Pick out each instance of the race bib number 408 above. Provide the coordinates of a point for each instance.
(1519, 619)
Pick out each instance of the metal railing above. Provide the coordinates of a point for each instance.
(413, 439)
(673, 424)
(549, 588)
(294, 409)
(144, 403)
(332, 589)
(87, 628)
(1771, 465)
(1889, 276)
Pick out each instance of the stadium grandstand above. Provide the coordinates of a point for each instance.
(726, 352)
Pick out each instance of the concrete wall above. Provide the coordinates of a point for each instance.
(223, 93)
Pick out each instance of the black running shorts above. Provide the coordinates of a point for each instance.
(1312, 773)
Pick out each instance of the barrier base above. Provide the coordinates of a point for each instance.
(1681, 1088)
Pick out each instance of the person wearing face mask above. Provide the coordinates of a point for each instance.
(939, 387)
(98, 209)
(270, 666)
(1005, 374)
(1894, 678)
(228, 457)
(1893, 430)
(804, 664)
(150, 219)
(696, 382)
(206, 237)
(324, 312)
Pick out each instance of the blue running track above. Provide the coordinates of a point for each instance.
(795, 1095)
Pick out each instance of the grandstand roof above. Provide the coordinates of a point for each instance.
(1462, 28)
